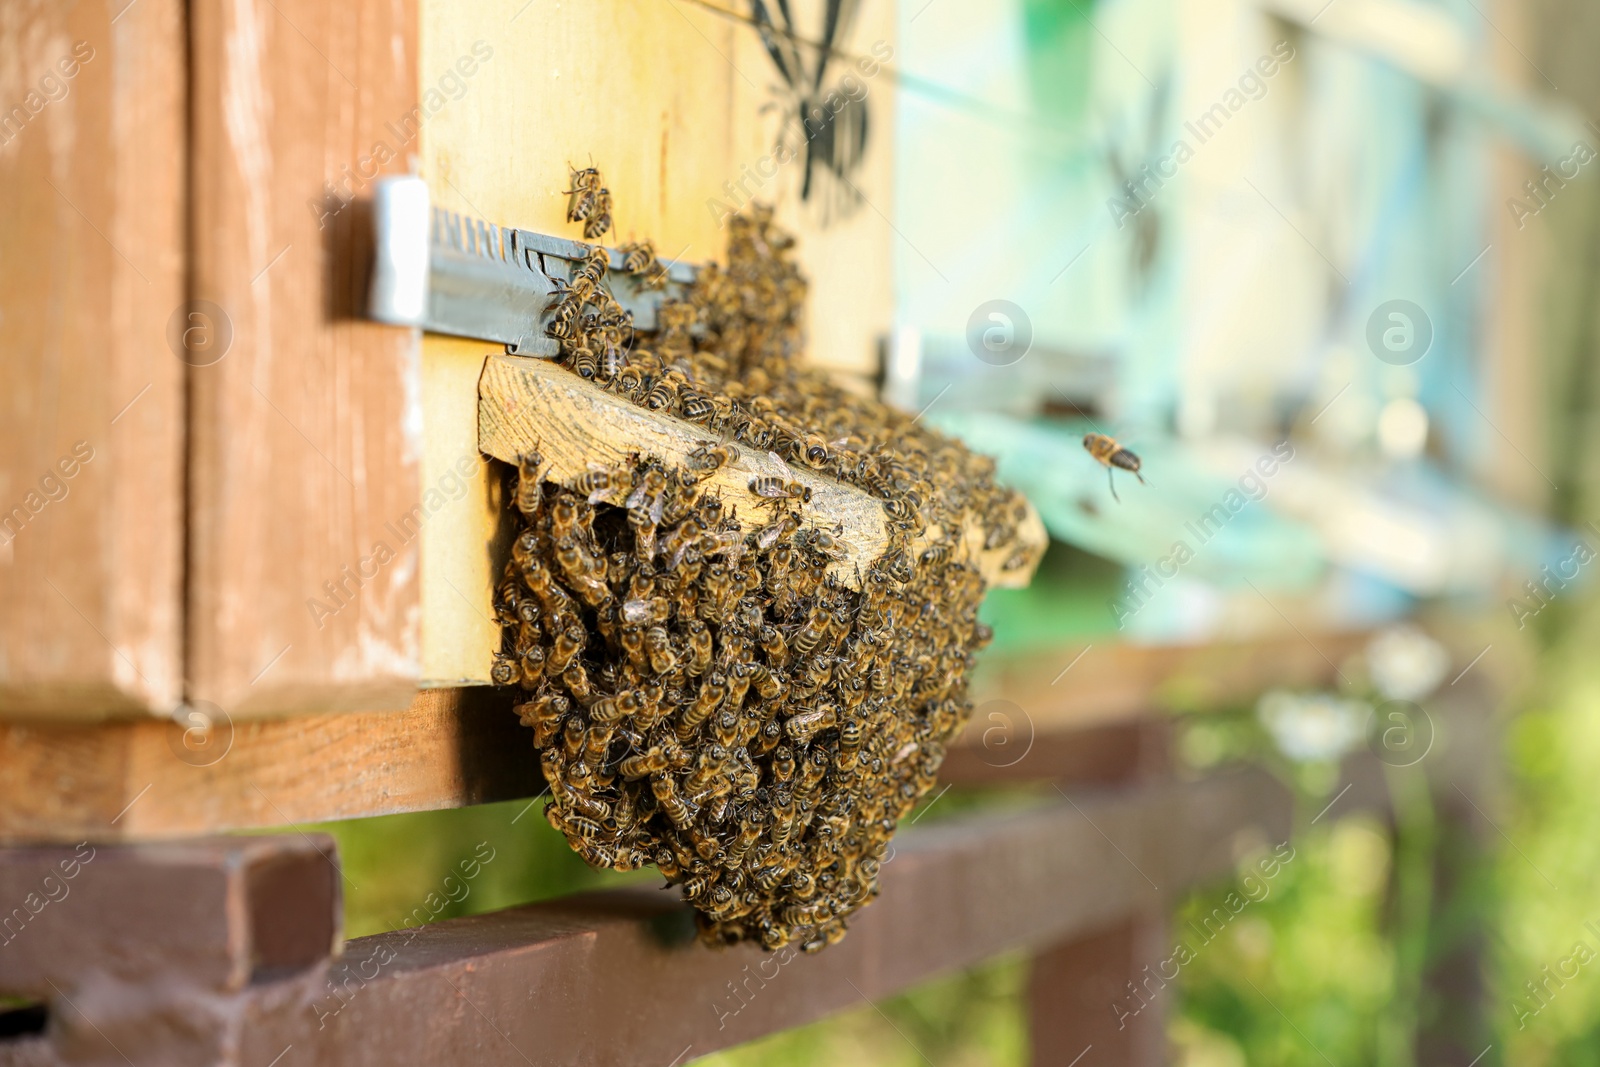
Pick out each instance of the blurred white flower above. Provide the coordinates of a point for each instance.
(1310, 727)
(1405, 663)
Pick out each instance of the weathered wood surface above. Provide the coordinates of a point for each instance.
(304, 437)
(527, 404)
(456, 747)
(617, 977)
(92, 101)
(144, 780)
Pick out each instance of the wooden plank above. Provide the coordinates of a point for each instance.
(147, 780)
(305, 437)
(1108, 681)
(617, 978)
(91, 396)
(1081, 996)
(455, 747)
(527, 404)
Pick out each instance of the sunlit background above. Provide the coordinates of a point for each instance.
(1328, 268)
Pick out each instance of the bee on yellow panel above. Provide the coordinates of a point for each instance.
(1108, 453)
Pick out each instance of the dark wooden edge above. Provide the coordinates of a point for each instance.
(616, 978)
(143, 780)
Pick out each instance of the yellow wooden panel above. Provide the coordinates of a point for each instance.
(678, 107)
(458, 521)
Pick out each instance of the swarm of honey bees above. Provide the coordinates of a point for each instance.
(706, 693)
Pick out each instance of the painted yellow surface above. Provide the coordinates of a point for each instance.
(680, 108)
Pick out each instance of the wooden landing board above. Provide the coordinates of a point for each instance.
(526, 404)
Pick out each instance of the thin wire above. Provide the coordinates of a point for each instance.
(932, 89)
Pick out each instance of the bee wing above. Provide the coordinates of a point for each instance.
(787, 473)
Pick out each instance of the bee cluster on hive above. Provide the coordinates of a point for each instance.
(706, 694)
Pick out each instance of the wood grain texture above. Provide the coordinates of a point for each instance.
(146, 780)
(527, 404)
(456, 747)
(306, 435)
(91, 266)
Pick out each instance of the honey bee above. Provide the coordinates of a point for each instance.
(699, 649)
(666, 794)
(782, 529)
(638, 257)
(583, 181)
(529, 484)
(1109, 454)
(663, 392)
(827, 544)
(613, 361)
(545, 715)
(596, 261)
(597, 483)
(599, 220)
(651, 761)
(694, 407)
(506, 670)
(531, 666)
(712, 692)
(646, 612)
(567, 646)
(584, 361)
(812, 631)
(773, 487)
(658, 646)
(708, 459)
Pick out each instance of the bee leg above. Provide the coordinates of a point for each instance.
(1112, 482)
(1139, 476)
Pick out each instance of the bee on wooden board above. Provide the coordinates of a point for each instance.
(1109, 454)
(780, 487)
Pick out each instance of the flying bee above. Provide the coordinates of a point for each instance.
(1109, 454)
